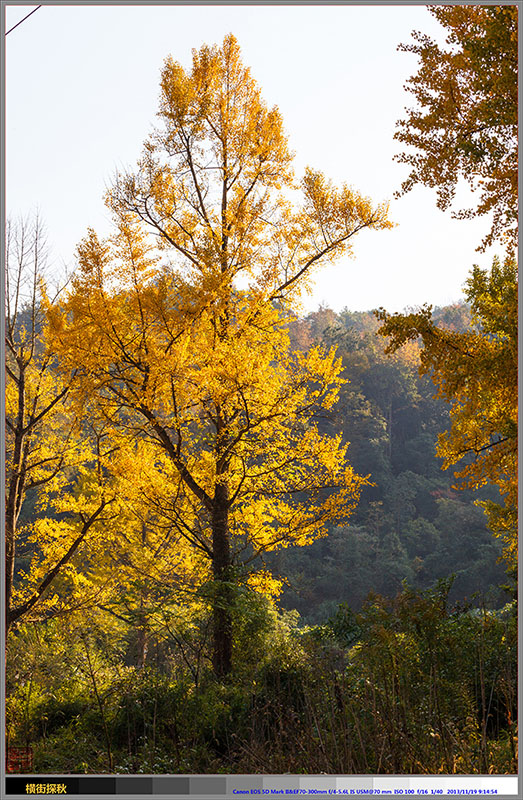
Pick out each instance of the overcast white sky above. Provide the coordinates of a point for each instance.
(82, 88)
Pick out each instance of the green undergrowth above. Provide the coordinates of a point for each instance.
(406, 685)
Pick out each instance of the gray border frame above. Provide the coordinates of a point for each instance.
(296, 3)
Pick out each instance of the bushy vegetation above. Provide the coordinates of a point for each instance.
(379, 663)
(406, 685)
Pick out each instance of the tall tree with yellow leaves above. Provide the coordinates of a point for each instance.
(177, 325)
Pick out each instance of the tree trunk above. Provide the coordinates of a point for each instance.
(142, 632)
(222, 598)
(14, 497)
(9, 563)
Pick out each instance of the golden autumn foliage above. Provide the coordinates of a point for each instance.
(465, 122)
(476, 371)
(177, 324)
(46, 442)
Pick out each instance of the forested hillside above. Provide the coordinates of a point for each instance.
(412, 523)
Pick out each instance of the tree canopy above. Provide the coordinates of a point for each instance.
(177, 324)
(465, 126)
(465, 122)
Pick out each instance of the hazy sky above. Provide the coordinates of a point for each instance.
(82, 90)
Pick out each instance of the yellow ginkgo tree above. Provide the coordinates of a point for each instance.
(177, 325)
